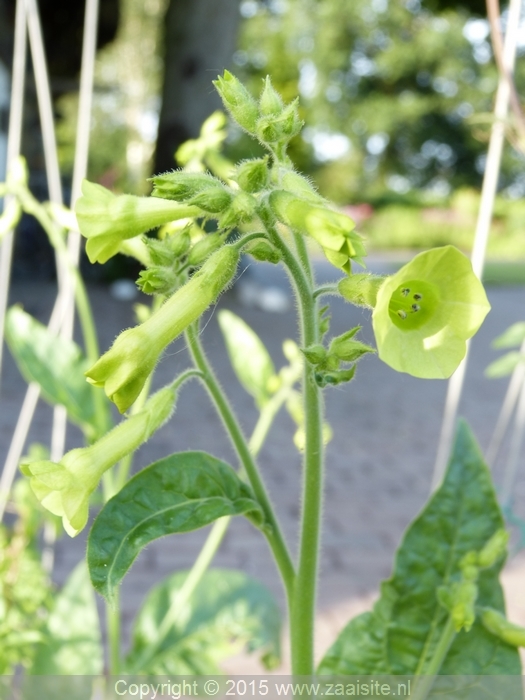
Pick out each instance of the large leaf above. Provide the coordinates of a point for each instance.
(399, 636)
(179, 493)
(56, 364)
(72, 643)
(249, 357)
(227, 611)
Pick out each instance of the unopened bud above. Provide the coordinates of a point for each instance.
(361, 289)
(263, 251)
(181, 185)
(213, 200)
(242, 209)
(270, 102)
(204, 248)
(315, 354)
(495, 549)
(252, 175)
(238, 101)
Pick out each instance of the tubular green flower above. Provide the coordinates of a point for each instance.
(64, 488)
(106, 219)
(427, 311)
(124, 368)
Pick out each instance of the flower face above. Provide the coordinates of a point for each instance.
(427, 311)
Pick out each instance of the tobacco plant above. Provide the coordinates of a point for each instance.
(442, 611)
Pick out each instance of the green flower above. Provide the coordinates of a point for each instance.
(427, 311)
(124, 368)
(106, 219)
(64, 488)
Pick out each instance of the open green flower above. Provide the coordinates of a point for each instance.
(122, 371)
(427, 311)
(106, 219)
(64, 488)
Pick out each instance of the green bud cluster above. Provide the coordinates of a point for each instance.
(327, 362)
(272, 122)
(460, 597)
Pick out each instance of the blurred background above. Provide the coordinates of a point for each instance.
(396, 96)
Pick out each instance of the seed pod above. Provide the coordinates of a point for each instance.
(496, 623)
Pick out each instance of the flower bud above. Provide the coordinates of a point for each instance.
(238, 101)
(105, 219)
(315, 354)
(181, 185)
(263, 251)
(158, 280)
(64, 488)
(495, 549)
(270, 102)
(347, 349)
(298, 184)
(280, 128)
(252, 175)
(331, 229)
(204, 248)
(242, 209)
(361, 289)
(464, 596)
(125, 367)
(212, 200)
(497, 624)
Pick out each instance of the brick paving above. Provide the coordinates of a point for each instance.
(379, 464)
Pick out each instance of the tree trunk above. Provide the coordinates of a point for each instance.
(200, 38)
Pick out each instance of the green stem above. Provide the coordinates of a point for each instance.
(425, 682)
(275, 538)
(302, 614)
(113, 623)
(326, 289)
(249, 237)
(302, 252)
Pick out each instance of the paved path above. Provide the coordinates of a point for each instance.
(379, 465)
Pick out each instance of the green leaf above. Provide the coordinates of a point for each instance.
(504, 365)
(400, 634)
(227, 611)
(72, 644)
(57, 365)
(250, 359)
(182, 492)
(511, 338)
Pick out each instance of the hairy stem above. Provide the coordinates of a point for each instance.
(275, 538)
(302, 614)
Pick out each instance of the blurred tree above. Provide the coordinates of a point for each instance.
(388, 89)
(199, 40)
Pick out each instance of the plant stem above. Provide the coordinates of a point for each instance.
(425, 682)
(113, 623)
(326, 289)
(274, 536)
(302, 252)
(302, 614)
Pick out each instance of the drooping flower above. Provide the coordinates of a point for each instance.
(106, 219)
(64, 488)
(122, 371)
(425, 313)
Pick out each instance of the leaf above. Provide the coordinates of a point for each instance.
(57, 365)
(227, 611)
(182, 492)
(249, 357)
(72, 644)
(510, 338)
(504, 365)
(400, 634)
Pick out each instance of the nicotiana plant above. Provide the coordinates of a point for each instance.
(442, 610)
